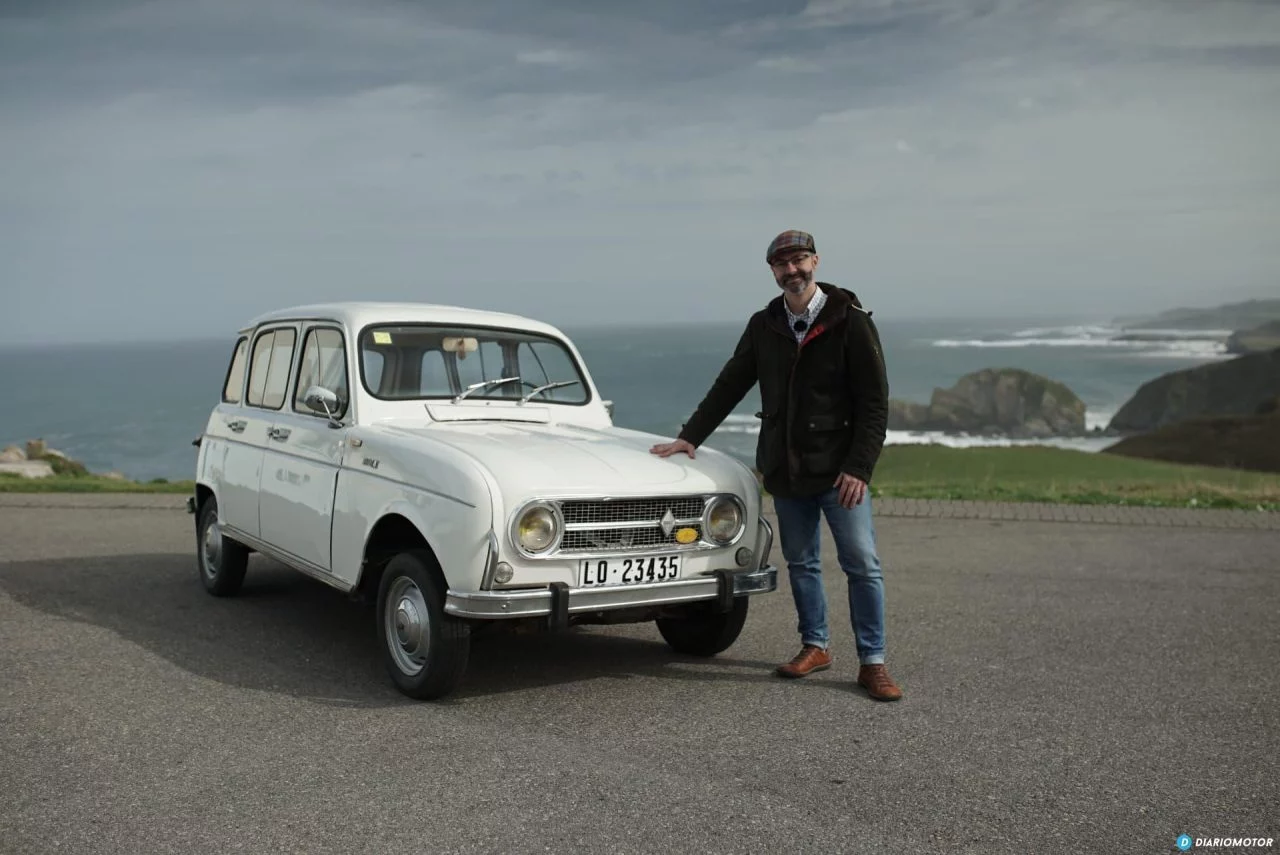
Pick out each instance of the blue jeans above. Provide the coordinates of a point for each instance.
(799, 531)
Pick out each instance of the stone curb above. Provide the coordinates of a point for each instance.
(1068, 513)
(884, 508)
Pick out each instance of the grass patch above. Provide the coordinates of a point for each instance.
(1025, 474)
(70, 483)
(1043, 474)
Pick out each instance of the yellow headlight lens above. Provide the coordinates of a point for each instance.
(724, 520)
(537, 529)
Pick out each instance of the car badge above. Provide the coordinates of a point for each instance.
(668, 522)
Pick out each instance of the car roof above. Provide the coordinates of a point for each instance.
(356, 315)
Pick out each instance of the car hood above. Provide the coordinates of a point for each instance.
(537, 459)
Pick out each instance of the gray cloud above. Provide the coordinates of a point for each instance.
(578, 161)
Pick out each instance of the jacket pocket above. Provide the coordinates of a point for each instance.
(770, 446)
(828, 422)
(824, 443)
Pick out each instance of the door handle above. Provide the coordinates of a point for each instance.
(236, 425)
(279, 433)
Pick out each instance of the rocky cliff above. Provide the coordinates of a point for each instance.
(1234, 442)
(37, 460)
(1237, 387)
(1006, 401)
(1232, 316)
(1255, 339)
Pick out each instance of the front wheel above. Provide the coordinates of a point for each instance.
(704, 632)
(222, 560)
(425, 650)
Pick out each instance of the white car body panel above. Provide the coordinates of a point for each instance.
(311, 492)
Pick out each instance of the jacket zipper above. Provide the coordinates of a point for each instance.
(791, 380)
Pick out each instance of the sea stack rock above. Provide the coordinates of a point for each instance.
(1007, 401)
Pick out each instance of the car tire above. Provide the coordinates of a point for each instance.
(704, 632)
(222, 561)
(424, 649)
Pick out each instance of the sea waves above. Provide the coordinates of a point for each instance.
(737, 434)
(1155, 343)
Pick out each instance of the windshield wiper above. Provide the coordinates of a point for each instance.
(485, 384)
(544, 388)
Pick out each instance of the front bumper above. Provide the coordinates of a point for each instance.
(559, 601)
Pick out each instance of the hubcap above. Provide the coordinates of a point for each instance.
(212, 548)
(408, 625)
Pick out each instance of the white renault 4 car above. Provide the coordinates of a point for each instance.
(459, 467)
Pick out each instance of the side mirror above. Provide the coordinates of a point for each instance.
(324, 400)
(608, 408)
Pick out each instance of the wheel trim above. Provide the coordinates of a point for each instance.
(407, 625)
(211, 548)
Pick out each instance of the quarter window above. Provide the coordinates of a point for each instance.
(269, 375)
(324, 363)
(234, 386)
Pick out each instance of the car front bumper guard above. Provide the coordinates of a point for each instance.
(559, 601)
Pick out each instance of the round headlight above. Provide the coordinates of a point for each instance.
(724, 520)
(537, 529)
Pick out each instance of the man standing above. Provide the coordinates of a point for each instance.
(824, 393)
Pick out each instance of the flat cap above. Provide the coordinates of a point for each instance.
(790, 241)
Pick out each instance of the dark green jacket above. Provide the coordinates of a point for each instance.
(825, 403)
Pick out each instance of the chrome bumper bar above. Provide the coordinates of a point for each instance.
(559, 601)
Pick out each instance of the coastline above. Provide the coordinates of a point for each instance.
(632, 369)
(1021, 475)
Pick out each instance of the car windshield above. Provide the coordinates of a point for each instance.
(406, 362)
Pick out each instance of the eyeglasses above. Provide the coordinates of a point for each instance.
(797, 260)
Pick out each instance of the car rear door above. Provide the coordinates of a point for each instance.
(304, 452)
(270, 360)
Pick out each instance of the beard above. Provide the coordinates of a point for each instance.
(796, 282)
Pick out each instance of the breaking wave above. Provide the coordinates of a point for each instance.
(1180, 344)
(738, 432)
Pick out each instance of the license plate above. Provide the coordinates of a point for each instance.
(640, 570)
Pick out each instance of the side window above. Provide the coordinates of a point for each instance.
(269, 372)
(232, 389)
(373, 365)
(542, 362)
(435, 377)
(324, 363)
(278, 372)
(258, 371)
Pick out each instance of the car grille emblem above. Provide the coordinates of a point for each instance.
(668, 522)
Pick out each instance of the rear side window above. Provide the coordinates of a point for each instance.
(269, 373)
(324, 363)
(231, 391)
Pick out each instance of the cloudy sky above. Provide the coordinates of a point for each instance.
(171, 168)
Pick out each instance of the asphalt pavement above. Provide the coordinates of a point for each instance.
(1071, 686)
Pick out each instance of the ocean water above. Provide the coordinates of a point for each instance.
(135, 408)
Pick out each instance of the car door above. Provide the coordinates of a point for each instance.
(238, 461)
(304, 452)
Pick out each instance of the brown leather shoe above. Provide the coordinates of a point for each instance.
(879, 685)
(808, 660)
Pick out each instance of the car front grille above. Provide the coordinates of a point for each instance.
(622, 539)
(619, 525)
(603, 511)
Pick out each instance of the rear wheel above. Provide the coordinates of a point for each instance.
(223, 561)
(702, 631)
(424, 649)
